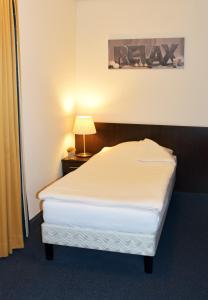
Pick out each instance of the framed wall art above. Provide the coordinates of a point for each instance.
(152, 53)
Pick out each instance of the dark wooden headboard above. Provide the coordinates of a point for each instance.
(190, 145)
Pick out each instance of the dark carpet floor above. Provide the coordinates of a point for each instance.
(180, 266)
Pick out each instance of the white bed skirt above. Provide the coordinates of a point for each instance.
(142, 244)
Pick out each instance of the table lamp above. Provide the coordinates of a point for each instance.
(84, 125)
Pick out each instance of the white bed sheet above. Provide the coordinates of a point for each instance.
(113, 191)
(111, 179)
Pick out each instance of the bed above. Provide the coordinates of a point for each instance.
(112, 203)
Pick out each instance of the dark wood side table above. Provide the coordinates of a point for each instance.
(70, 164)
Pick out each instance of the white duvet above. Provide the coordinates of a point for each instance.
(133, 175)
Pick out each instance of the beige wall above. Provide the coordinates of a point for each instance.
(47, 36)
(142, 96)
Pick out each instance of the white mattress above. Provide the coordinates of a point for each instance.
(104, 218)
(113, 191)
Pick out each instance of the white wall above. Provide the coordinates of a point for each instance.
(47, 38)
(142, 96)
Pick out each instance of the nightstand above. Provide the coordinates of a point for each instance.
(70, 164)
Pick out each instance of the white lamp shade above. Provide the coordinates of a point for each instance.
(84, 125)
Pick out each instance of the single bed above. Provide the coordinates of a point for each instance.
(112, 203)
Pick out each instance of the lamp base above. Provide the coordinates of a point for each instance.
(84, 154)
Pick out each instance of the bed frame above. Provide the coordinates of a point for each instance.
(186, 143)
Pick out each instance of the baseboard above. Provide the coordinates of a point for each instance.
(37, 219)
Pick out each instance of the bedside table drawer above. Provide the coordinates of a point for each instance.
(68, 169)
(71, 164)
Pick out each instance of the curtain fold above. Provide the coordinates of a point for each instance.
(11, 236)
(21, 142)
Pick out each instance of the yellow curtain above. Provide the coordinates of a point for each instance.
(11, 236)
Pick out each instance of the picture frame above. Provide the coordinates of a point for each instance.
(151, 53)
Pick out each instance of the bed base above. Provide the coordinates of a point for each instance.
(132, 243)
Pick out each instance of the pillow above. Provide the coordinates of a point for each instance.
(143, 150)
(122, 150)
(165, 148)
(149, 150)
(105, 149)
